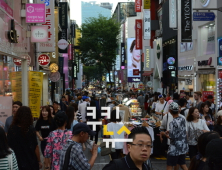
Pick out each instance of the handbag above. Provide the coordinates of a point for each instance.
(194, 134)
(106, 151)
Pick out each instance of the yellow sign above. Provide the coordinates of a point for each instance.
(122, 129)
(146, 4)
(35, 92)
(16, 83)
(54, 67)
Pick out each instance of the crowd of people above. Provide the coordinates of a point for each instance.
(191, 128)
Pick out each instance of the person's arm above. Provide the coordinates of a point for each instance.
(39, 136)
(205, 127)
(94, 155)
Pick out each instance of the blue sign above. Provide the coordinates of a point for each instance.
(220, 47)
(203, 16)
(219, 61)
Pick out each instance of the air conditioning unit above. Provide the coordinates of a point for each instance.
(158, 33)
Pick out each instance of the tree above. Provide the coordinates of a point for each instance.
(99, 42)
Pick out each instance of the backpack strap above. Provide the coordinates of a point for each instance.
(119, 164)
(67, 157)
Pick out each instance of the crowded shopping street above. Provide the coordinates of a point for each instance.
(110, 85)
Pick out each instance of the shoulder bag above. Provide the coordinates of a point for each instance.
(194, 134)
(67, 158)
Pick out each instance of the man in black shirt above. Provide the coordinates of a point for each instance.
(139, 152)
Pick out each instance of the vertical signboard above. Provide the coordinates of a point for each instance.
(148, 58)
(123, 54)
(77, 62)
(173, 13)
(70, 51)
(146, 4)
(74, 71)
(50, 23)
(186, 21)
(35, 92)
(220, 47)
(63, 14)
(147, 28)
(16, 83)
(138, 4)
(139, 40)
(117, 62)
(61, 63)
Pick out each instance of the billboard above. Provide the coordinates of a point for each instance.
(133, 57)
(35, 13)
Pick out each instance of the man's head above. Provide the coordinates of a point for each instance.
(210, 98)
(82, 131)
(56, 105)
(85, 98)
(197, 95)
(15, 106)
(140, 148)
(183, 102)
(161, 99)
(174, 108)
(63, 98)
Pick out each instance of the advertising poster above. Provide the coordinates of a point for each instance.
(139, 40)
(133, 57)
(35, 13)
(207, 93)
(16, 80)
(5, 108)
(35, 92)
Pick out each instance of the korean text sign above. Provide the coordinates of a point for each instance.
(35, 13)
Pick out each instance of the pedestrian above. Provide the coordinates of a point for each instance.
(78, 160)
(52, 111)
(139, 152)
(56, 107)
(212, 106)
(73, 117)
(63, 104)
(218, 126)
(161, 108)
(199, 162)
(141, 99)
(55, 141)
(7, 156)
(22, 140)
(195, 127)
(197, 97)
(189, 103)
(82, 107)
(204, 109)
(44, 125)
(15, 106)
(178, 139)
(183, 104)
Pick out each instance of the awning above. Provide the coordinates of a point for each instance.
(206, 71)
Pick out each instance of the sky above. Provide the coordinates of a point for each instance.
(75, 6)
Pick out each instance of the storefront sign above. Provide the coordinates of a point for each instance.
(18, 62)
(147, 4)
(12, 33)
(35, 92)
(136, 72)
(53, 67)
(173, 13)
(55, 77)
(117, 62)
(147, 25)
(35, 13)
(43, 60)
(70, 52)
(16, 83)
(204, 3)
(5, 108)
(63, 44)
(63, 14)
(138, 4)
(75, 71)
(133, 79)
(63, 35)
(205, 94)
(188, 82)
(185, 68)
(50, 23)
(139, 40)
(205, 62)
(6, 8)
(61, 63)
(39, 33)
(149, 84)
(186, 21)
(148, 59)
(123, 54)
(219, 61)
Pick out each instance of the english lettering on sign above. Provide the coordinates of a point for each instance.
(185, 68)
(205, 62)
(136, 79)
(173, 13)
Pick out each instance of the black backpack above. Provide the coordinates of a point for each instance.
(67, 157)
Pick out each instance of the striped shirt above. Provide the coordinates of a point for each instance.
(5, 165)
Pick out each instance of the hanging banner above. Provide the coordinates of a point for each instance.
(117, 62)
(123, 54)
(139, 40)
(77, 62)
(50, 23)
(138, 4)
(173, 13)
(16, 83)
(186, 21)
(75, 71)
(5, 108)
(63, 15)
(35, 13)
(147, 4)
(35, 92)
(147, 25)
(147, 62)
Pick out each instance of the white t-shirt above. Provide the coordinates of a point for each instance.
(115, 127)
(159, 108)
(166, 124)
(201, 125)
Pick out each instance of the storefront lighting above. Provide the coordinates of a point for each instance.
(211, 24)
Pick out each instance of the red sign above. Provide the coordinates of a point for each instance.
(139, 40)
(207, 93)
(70, 52)
(136, 72)
(138, 4)
(43, 60)
(18, 62)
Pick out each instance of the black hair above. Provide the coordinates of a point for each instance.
(208, 103)
(70, 114)
(18, 103)
(207, 117)
(210, 97)
(113, 117)
(176, 96)
(55, 102)
(63, 97)
(4, 148)
(60, 118)
(182, 102)
(136, 131)
(174, 112)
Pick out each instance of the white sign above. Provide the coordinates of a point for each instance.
(50, 23)
(39, 34)
(118, 62)
(147, 25)
(185, 68)
(150, 84)
(188, 82)
(148, 56)
(63, 44)
(204, 3)
(136, 79)
(173, 13)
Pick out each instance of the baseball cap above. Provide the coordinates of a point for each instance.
(79, 127)
(174, 106)
(85, 97)
(160, 96)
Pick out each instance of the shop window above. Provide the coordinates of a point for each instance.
(208, 82)
(207, 40)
